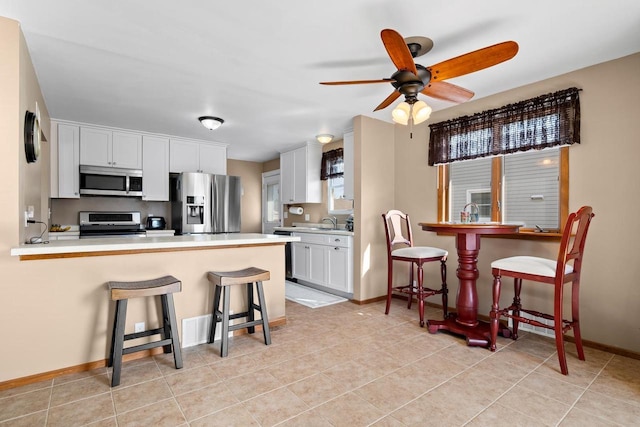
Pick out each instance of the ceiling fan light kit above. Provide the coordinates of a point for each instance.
(210, 122)
(421, 112)
(417, 112)
(401, 113)
(324, 138)
(412, 79)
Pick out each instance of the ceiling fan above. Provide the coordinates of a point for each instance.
(411, 79)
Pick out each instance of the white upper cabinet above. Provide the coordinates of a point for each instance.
(191, 156)
(300, 174)
(127, 150)
(66, 163)
(213, 159)
(155, 168)
(348, 153)
(104, 147)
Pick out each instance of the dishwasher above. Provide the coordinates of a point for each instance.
(287, 255)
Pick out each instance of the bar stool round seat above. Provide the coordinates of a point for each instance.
(223, 280)
(121, 292)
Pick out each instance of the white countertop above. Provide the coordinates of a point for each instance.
(317, 230)
(160, 242)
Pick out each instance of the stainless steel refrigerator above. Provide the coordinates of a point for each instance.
(204, 203)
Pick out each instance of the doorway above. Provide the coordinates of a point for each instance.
(271, 204)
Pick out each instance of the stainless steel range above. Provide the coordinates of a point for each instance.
(110, 224)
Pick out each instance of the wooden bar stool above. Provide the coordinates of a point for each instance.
(120, 293)
(222, 282)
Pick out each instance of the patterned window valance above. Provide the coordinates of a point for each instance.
(332, 164)
(546, 121)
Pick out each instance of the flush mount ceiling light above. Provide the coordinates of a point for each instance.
(324, 138)
(416, 111)
(210, 122)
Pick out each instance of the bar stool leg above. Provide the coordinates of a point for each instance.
(224, 347)
(263, 313)
(251, 316)
(214, 321)
(173, 330)
(113, 337)
(116, 357)
(166, 327)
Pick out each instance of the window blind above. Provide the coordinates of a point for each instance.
(332, 165)
(546, 121)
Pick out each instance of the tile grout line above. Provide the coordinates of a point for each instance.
(585, 390)
(509, 389)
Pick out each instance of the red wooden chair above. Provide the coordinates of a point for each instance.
(396, 224)
(566, 268)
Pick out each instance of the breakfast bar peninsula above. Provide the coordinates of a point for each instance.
(57, 299)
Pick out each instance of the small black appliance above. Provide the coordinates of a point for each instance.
(156, 223)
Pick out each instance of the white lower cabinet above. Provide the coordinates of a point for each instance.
(317, 263)
(339, 260)
(324, 259)
(300, 260)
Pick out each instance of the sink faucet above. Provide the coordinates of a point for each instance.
(333, 220)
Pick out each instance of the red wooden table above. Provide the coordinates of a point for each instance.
(465, 320)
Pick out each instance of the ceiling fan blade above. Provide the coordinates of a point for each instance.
(398, 51)
(474, 61)
(447, 92)
(358, 82)
(384, 104)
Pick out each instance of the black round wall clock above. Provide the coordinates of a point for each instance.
(31, 137)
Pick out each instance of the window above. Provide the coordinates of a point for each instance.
(468, 182)
(332, 170)
(337, 204)
(482, 200)
(526, 187)
(515, 164)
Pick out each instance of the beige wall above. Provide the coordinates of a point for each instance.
(10, 128)
(251, 176)
(603, 174)
(271, 165)
(20, 92)
(374, 194)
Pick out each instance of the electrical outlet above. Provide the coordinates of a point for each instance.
(26, 218)
(139, 327)
(306, 217)
(31, 212)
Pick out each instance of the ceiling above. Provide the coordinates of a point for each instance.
(157, 65)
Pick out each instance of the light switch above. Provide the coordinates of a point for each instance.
(306, 217)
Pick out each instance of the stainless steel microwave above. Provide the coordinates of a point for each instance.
(106, 181)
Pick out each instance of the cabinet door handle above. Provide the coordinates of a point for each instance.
(337, 240)
(337, 249)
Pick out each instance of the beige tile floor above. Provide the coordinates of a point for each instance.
(344, 365)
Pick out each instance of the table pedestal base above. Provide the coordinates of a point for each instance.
(478, 336)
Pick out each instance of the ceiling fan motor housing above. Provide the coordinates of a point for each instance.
(408, 83)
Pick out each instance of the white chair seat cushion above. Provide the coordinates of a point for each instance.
(530, 265)
(420, 252)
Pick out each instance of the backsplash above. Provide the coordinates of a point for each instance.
(65, 211)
